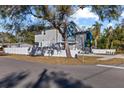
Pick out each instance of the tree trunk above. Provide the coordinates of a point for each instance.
(96, 43)
(107, 44)
(66, 47)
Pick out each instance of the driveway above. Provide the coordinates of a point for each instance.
(20, 74)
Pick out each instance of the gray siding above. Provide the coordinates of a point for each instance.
(51, 36)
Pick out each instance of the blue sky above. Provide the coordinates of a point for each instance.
(86, 18)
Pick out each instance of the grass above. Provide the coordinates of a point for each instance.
(63, 60)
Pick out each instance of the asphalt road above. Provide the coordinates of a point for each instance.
(20, 74)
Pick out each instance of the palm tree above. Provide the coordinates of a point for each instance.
(96, 32)
(109, 35)
(118, 37)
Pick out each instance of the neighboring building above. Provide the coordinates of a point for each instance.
(80, 41)
(15, 45)
(48, 37)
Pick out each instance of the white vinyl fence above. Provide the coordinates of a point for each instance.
(24, 51)
(17, 50)
(104, 51)
(62, 53)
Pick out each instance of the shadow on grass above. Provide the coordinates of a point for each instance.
(57, 80)
(13, 79)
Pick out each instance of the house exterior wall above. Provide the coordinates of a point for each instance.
(51, 36)
(80, 41)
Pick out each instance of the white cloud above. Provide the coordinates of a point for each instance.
(110, 24)
(122, 15)
(85, 13)
(33, 18)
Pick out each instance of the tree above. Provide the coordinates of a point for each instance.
(102, 41)
(109, 35)
(56, 16)
(27, 36)
(6, 37)
(118, 37)
(107, 12)
(96, 32)
(112, 38)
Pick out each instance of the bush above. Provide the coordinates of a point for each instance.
(2, 53)
(120, 51)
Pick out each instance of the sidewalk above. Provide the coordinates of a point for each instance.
(105, 57)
